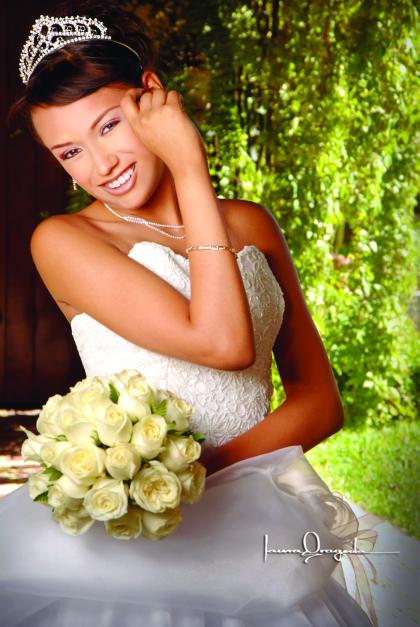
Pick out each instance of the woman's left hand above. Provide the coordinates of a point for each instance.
(158, 119)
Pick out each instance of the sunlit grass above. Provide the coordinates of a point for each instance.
(377, 469)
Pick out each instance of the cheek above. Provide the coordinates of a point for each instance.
(137, 147)
(127, 140)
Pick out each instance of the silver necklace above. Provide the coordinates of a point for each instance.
(149, 223)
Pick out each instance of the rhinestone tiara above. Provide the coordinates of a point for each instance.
(51, 33)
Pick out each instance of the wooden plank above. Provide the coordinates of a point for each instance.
(20, 163)
(37, 354)
(3, 209)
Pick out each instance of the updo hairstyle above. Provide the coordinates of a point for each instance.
(79, 69)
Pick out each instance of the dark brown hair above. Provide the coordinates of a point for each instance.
(79, 69)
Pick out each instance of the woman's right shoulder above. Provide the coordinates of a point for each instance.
(51, 227)
(47, 235)
(62, 242)
(59, 231)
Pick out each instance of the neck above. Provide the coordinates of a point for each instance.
(162, 206)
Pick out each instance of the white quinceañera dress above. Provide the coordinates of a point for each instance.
(217, 568)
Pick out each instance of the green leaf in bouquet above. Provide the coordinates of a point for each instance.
(52, 473)
(114, 395)
(61, 438)
(172, 427)
(98, 442)
(160, 409)
(96, 439)
(198, 437)
(42, 497)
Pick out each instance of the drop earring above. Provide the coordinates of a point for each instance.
(74, 185)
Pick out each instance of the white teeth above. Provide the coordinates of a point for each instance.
(121, 180)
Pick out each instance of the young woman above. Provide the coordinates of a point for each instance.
(132, 274)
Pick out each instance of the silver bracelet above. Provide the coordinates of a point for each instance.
(212, 247)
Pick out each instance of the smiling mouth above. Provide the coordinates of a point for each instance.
(121, 180)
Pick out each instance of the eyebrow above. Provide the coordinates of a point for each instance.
(98, 119)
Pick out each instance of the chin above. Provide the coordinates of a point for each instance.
(129, 203)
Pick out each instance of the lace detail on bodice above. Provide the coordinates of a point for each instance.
(227, 403)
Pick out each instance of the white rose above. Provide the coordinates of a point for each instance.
(96, 392)
(46, 423)
(149, 434)
(179, 411)
(112, 423)
(49, 407)
(67, 412)
(137, 396)
(136, 408)
(82, 402)
(107, 499)
(193, 480)
(73, 522)
(120, 379)
(179, 452)
(90, 382)
(81, 385)
(155, 488)
(38, 484)
(83, 464)
(141, 389)
(72, 489)
(128, 527)
(58, 497)
(81, 433)
(122, 461)
(50, 452)
(162, 395)
(32, 446)
(73, 424)
(157, 526)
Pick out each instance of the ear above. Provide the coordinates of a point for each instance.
(150, 80)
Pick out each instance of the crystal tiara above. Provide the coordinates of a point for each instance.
(51, 33)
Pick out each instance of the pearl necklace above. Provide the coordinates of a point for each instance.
(148, 223)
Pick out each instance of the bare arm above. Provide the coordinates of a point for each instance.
(312, 410)
(219, 307)
(213, 328)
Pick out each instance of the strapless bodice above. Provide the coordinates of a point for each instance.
(226, 403)
(218, 568)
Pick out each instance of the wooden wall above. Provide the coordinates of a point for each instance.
(37, 353)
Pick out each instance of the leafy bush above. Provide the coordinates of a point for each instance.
(309, 108)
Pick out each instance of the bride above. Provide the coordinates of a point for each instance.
(159, 275)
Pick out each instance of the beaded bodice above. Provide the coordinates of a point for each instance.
(227, 403)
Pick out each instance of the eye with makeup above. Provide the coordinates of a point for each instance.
(109, 126)
(105, 130)
(69, 154)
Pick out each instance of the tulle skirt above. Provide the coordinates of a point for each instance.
(218, 569)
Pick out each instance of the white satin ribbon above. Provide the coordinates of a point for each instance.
(301, 480)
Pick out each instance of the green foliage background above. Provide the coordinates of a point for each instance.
(309, 109)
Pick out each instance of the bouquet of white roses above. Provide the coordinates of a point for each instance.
(116, 449)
